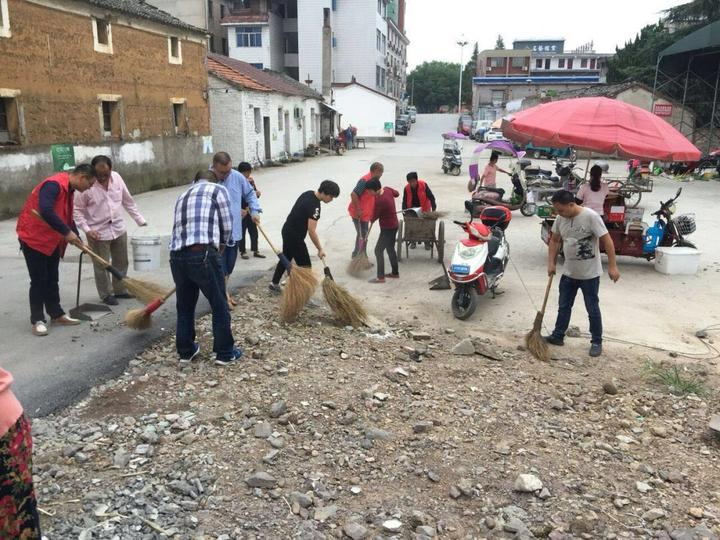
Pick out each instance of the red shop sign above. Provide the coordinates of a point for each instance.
(663, 109)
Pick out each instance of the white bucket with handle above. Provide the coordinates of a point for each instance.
(146, 252)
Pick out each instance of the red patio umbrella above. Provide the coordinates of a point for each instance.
(601, 125)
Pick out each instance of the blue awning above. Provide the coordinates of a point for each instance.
(568, 79)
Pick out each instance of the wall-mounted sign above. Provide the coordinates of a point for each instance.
(63, 157)
(662, 109)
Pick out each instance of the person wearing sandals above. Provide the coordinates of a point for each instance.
(45, 228)
(386, 214)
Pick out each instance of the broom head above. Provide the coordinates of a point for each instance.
(358, 264)
(145, 291)
(345, 306)
(535, 343)
(138, 319)
(301, 285)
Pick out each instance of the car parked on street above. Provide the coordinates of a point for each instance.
(406, 119)
(494, 134)
(412, 112)
(401, 127)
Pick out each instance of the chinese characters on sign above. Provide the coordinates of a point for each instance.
(662, 109)
(63, 157)
(544, 48)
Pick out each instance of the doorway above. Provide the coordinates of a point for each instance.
(286, 124)
(266, 132)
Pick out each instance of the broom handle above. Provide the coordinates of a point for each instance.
(547, 293)
(267, 239)
(155, 304)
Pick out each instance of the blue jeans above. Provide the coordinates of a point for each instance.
(568, 290)
(195, 271)
(229, 258)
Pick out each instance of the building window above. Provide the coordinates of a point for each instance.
(570, 63)
(334, 40)
(212, 43)
(518, 62)
(592, 63)
(292, 9)
(102, 36)
(9, 121)
(583, 62)
(249, 36)
(379, 7)
(291, 42)
(4, 19)
(280, 118)
(378, 40)
(174, 50)
(326, 17)
(538, 63)
(547, 63)
(222, 11)
(384, 44)
(334, 5)
(179, 117)
(377, 76)
(224, 46)
(497, 97)
(561, 63)
(210, 9)
(241, 4)
(257, 65)
(110, 117)
(496, 62)
(258, 119)
(293, 72)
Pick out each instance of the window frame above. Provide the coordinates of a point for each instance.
(114, 101)
(281, 118)
(496, 61)
(104, 48)
(561, 63)
(583, 63)
(252, 37)
(174, 59)
(514, 60)
(5, 31)
(13, 118)
(181, 127)
(538, 63)
(257, 119)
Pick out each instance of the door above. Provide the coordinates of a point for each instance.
(266, 132)
(287, 132)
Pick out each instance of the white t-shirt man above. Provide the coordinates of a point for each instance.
(581, 245)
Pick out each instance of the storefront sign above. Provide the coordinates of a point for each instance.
(63, 157)
(663, 109)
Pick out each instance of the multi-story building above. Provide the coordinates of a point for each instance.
(533, 68)
(123, 79)
(319, 42)
(204, 14)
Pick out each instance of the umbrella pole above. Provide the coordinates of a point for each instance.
(587, 166)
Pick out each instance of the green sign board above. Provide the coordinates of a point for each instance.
(388, 126)
(63, 157)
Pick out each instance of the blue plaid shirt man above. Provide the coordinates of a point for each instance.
(202, 216)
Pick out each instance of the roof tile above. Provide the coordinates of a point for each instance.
(143, 10)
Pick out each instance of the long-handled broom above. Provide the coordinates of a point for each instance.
(345, 306)
(360, 261)
(534, 341)
(300, 286)
(144, 291)
(141, 319)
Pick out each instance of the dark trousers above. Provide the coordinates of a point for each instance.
(361, 232)
(295, 250)
(228, 259)
(44, 286)
(193, 272)
(386, 242)
(568, 290)
(249, 227)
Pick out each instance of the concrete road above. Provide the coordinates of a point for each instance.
(644, 306)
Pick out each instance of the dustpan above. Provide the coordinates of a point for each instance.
(441, 283)
(87, 311)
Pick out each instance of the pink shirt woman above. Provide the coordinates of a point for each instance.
(593, 193)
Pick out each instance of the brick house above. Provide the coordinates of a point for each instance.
(260, 115)
(116, 77)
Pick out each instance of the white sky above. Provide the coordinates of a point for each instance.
(434, 27)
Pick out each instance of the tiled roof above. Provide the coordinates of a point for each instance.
(143, 10)
(271, 81)
(244, 19)
(232, 76)
(603, 90)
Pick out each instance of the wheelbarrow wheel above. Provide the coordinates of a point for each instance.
(400, 240)
(441, 242)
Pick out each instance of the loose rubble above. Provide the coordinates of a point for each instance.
(392, 432)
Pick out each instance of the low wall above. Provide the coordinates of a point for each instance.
(155, 163)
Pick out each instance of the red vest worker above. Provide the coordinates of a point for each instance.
(362, 206)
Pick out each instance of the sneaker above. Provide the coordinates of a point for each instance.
(277, 289)
(192, 356)
(125, 296)
(40, 329)
(236, 355)
(110, 300)
(258, 255)
(393, 276)
(377, 280)
(244, 255)
(552, 340)
(595, 349)
(64, 320)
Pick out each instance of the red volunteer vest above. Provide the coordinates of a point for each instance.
(31, 228)
(425, 203)
(367, 203)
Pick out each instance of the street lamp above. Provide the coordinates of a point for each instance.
(462, 42)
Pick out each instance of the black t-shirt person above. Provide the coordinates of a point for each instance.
(306, 207)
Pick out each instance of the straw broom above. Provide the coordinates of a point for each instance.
(145, 291)
(346, 307)
(141, 319)
(534, 341)
(360, 262)
(300, 286)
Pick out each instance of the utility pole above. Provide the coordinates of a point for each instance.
(462, 42)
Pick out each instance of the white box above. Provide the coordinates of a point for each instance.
(677, 260)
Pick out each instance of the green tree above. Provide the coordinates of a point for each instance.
(697, 11)
(499, 43)
(436, 84)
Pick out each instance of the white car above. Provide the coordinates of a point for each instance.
(494, 134)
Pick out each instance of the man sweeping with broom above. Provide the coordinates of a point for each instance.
(301, 222)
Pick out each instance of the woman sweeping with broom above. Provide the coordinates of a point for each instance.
(301, 221)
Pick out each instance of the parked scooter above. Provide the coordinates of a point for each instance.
(484, 197)
(479, 261)
(452, 157)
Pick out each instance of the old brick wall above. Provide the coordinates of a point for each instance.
(50, 58)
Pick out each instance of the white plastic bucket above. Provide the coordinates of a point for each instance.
(146, 253)
(677, 260)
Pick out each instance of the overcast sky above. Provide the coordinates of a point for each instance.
(434, 27)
